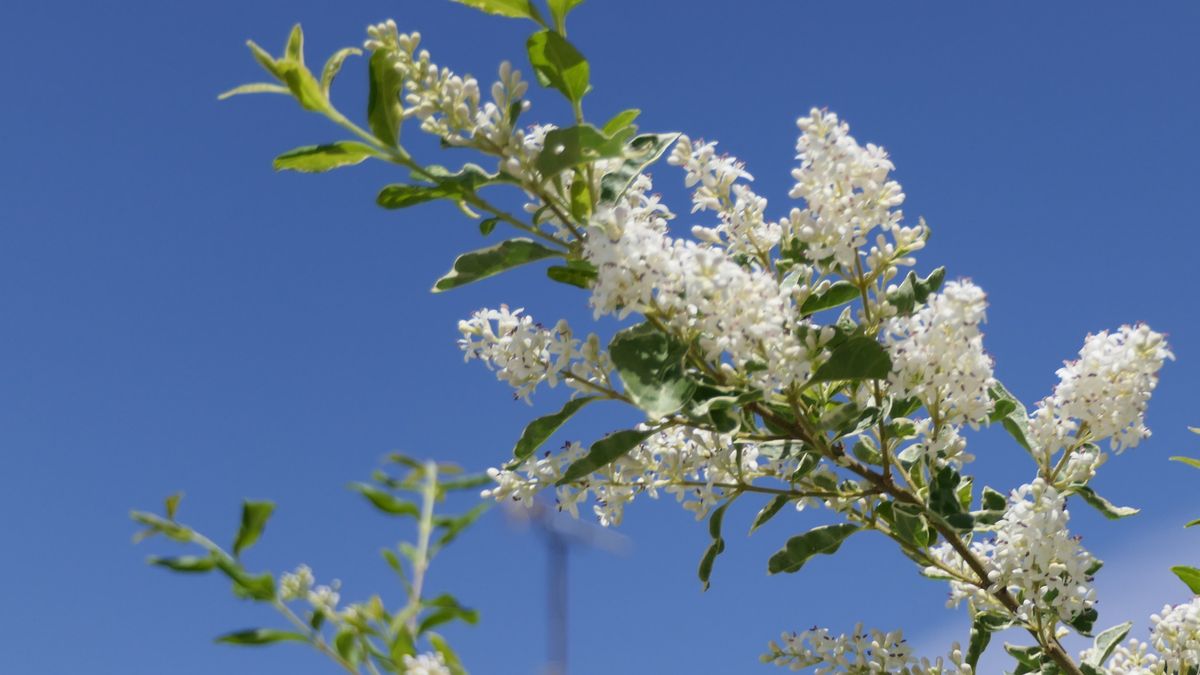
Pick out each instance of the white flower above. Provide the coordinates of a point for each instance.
(524, 353)
(743, 228)
(296, 585)
(859, 652)
(426, 664)
(739, 312)
(1033, 557)
(1176, 635)
(937, 355)
(1106, 389)
(845, 187)
(324, 599)
(1132, 658)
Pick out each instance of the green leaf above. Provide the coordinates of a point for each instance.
(839, 293)
(384, 111)
(914, 291)
(559, 9)
(254, 88)
(345, 642)
(487, 225)
(254, 519)
(294, 49)
(604, 452)
(455, 186)
(319, 158)
(768, 511)
(821, 540)
(246, 585)
(542, 428)
(1028, 657)
(717, 546)
(581, 197)
(185, 563)
(858, 358)
(567, 148)
(558, 64)
(1009, 411)
(640, 152)
(454, 526)
(943, 492)
(490, 261)
(260, 636)
(1106, 643)
(619, 121)
(982, 627)
(1084, 621)
(334, 65)
(446, 609)
(385, 501)
(440, 646)
(1189, 576)
(1194, 463)
(171, 505)
(580, 273)
(515, 9)
(1110, 510)
(906, 523)
(650, 363)
(304, 87)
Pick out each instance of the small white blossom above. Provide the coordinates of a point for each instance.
(1033, 557)
(1105, 390)
(845, 187)
(324, 599)
(426, 664)
(296, 585)
(743, 229)
(1176, 635)
(937, 355)
(524, 353)
(860, 652)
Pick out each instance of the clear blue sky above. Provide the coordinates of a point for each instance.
(177, 317)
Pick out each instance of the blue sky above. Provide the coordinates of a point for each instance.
(178, 317)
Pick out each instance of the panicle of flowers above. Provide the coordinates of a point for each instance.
(449, 105)
(429, 663)
(845, 188)
(1032, 556)
(524, 353)
(937, 355)
(860, 652)
(690, 464)
(300, 585)
(742, 312)
(1103, 393)
(1175, 634)
(743, 228)
(1134, 658)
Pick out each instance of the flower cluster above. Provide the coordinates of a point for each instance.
(448, 105)
(524, 353)
(426, 664)
(734, 310)
(1032, 557)
(1174, 634)
(846, 190)
(300, 585)
(1105, 390)
(743, 228)
(937, 355)
(859, 652)
(694, 466)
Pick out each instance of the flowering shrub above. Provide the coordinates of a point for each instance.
(799, 360)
